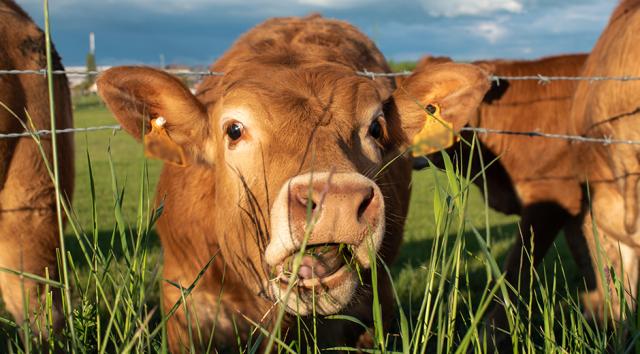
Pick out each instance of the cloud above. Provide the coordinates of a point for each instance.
(334, 4)
(452, 8)
(492, 32)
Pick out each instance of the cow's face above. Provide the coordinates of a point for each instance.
(294, 155)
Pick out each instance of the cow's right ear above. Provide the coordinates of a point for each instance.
(147, 100)
(436, 101)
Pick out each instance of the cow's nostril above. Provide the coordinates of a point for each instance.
(365, 203)
(306, 203)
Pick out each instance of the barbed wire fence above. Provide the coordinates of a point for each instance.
(541, 79)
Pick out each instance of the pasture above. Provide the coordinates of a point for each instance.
(116, 282)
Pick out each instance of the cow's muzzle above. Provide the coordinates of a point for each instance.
(337, 218)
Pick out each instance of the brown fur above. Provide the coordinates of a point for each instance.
(542, 185)
(529, 171)
(534, 178)
(28, 226)
(309, 112)
(611, 108)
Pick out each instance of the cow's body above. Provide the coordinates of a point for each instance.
(611, 109)
(283, 151)
(28, 226)
(538, 172)
(536, 179)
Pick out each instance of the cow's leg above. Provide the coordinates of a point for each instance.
(615, 264)
(539, 226)
(580, 250)
(546, 220)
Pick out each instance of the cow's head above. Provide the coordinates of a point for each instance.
(293, 154)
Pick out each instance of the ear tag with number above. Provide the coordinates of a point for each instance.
(436, 134)
(158, 144)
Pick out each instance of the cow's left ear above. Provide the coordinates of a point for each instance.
(157, 109)
(436, 101)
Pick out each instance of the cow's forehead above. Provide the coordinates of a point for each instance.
(317, 95)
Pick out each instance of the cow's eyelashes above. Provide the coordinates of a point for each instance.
(234, 131)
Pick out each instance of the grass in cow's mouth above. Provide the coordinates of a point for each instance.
(318, 262)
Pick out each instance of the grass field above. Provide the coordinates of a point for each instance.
(132, 276)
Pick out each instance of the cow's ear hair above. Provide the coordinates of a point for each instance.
(157, 108)
(498, 86)
(429, 60)
(498, 89)
(436, 101)
(424, 62)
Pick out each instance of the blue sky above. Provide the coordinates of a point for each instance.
(197, 31)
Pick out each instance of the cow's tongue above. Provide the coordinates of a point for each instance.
(319, 262)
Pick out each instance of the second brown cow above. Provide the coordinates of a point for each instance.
(534, 178)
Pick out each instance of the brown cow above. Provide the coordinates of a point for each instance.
(289, 133)
(611, 109)
(536, 179)
(28, 224)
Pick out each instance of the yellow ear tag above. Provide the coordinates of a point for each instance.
(158, 144)
(436, 134)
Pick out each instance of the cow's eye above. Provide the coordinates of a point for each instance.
(234, 131)
(375, 129)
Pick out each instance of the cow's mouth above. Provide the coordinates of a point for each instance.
(319, 265)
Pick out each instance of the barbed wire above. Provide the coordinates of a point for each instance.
(546, 79)
(542, 79)
(97, 72)
(60, 131)
(535, 134)
(478, 130)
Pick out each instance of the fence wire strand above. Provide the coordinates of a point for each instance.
(60, 131)
(43, 72)
(541, 79)
(530, 134)
(534, 134)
